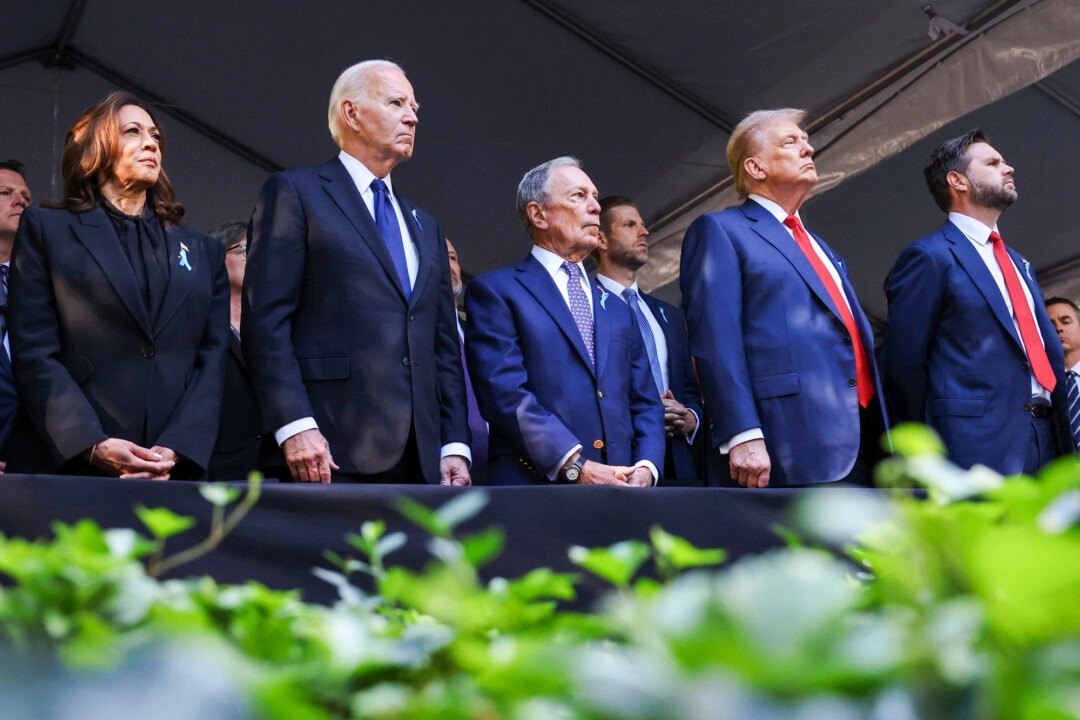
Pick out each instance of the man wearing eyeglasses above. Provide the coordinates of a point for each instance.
(236, 452)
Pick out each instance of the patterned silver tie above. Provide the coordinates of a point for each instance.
(579, 307)
(647, 337)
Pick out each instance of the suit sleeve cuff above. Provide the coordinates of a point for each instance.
(296, 427)
(652, 469)
(740, 438)
(553, 473)
(697, 426)
(456, 448)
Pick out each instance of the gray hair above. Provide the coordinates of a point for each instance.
(230, 234)
(351, 85)
(535, 185)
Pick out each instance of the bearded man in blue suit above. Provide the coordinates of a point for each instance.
(557, 365)
(971, 350)
(784, 352)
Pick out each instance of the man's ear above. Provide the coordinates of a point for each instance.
(602, 244)
(754, 168)
(958, 181)
(535, 213)
(350, 111)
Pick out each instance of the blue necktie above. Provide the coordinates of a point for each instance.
(645, 329)
(579, 307)
(387, 222)
(1074, 405)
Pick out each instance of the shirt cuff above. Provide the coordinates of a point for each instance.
(697, 426)
(652, 469)
(456, 448)
(739, 439)
(296, 427)
(553, 473)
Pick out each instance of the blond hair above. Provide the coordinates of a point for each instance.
(747, 134)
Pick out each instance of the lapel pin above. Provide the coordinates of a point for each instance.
(664, 315)
(603, 300)
(1027, 270)
(417, 219)
(182, 257)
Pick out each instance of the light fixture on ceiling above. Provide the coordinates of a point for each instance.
(939, 26)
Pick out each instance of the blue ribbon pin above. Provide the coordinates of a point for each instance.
(603, 299)
(664, 315)
(182, 257)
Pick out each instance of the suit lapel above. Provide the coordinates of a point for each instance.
(342, 190)
(422, 239)
(535, 279)
(767, 227)
(976, 269)
(601, 325)
(184, 260)
(95, 232)
(661, 317)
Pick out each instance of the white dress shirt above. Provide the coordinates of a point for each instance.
(979, 235)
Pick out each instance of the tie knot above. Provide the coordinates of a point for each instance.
(379, 187)
(630, 295)
(792, 222)
(571, 269)
(995, 238)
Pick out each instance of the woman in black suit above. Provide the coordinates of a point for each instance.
(118, 315)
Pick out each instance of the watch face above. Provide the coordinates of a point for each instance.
(572, 473)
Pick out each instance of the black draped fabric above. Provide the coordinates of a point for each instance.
(292, 525)
(143, 241)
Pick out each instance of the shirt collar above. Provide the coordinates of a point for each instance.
(774, 209)
(616, 287)
(552, 262)
(360, 175)
(973, 230)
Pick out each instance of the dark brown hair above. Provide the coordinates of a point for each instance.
(949, 156)
(92, 147)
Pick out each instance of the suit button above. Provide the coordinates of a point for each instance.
(411, 318)
(405, 361)
(598, 444)
(1024, 366)
(600, 394)
(847, 340)
(851, 382)
(148, 351)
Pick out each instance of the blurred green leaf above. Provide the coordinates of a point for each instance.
(463, 507)
(616, 564)
(483, 546)
(162, 522)
(218, 494)
(673, 553)
(913, 440)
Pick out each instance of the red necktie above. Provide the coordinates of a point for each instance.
(1029, 332)
(862, 367)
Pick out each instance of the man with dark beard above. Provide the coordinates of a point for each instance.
(970, 349)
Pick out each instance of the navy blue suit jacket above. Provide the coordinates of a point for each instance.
(538, 389)
(9, 402)
(953, 359)
(682, 381)
(328, 333)
(771, 349)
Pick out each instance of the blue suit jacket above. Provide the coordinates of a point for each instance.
(9, 402)
(538, 389)
(684, 386)
(771, 350)
(953, 359)
(328, 333)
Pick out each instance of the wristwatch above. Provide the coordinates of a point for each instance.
(572, 472)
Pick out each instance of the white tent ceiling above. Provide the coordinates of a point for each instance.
(644, 92)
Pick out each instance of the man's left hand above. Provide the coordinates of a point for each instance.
(677, 419)
(454, 470)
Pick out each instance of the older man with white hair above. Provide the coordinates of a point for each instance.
(349, 329)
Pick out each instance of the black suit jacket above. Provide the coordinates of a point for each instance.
(88, 362)
(239, 439)
(328, 333)
(9, 402)
(683, 383)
